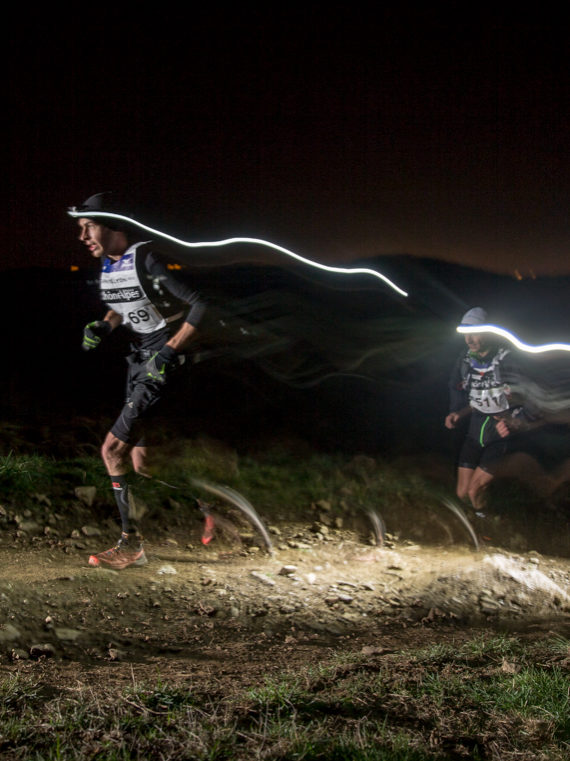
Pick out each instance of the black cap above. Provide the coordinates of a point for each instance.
(101, 203)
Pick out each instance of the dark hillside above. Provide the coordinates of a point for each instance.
(284, 353)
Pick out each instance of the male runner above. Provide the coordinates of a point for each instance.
(161, 313)
(480, 387)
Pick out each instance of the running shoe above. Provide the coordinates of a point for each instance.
(125, 553)
(208, 532)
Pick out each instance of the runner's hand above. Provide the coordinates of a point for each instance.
(506, 426)
(161, 364)
(94, 332)
(452, 420)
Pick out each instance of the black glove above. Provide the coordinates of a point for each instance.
(94, 332)
(162, 364)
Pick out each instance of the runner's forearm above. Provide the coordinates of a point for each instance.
(182, 338)
(114, 318)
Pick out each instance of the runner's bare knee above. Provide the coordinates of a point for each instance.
(115, 454)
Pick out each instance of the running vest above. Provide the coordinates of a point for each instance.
(482, 380)
(128, 288)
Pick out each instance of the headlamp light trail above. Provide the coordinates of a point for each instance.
(76, 212)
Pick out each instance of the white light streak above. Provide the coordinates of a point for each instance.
(513, 339)
(76, 214)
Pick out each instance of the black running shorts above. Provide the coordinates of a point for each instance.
(473, 455)
(143, 399)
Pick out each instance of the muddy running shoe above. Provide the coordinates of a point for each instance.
(209, 526)
(209, 521)
(125, 553)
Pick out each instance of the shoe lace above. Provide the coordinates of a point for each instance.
(125, 544)
(113, 550)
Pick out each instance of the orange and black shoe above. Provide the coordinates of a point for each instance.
(209, 527)
(128, 551)
(209, 521)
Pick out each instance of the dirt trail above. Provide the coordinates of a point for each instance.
(244, 612)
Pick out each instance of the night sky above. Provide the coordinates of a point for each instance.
(336, 133)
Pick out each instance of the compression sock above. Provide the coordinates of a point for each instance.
(121, 490)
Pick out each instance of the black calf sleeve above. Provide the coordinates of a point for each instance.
(121, 490)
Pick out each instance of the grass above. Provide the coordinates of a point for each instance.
(442, 703)
(501, 698)
(20, 472)
(281, 483)
(276, 481)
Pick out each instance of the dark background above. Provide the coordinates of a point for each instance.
(340, 133)
(298, 359)
(428, 145)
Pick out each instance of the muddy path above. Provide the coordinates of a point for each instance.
(240, 612)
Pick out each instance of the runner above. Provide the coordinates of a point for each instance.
(161, 313)
(480, 388)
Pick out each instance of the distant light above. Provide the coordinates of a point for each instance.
(73, 212)
(513, 339)
(74, 268)
(519, 276)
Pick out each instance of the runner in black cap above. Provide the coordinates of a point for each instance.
(161, 313)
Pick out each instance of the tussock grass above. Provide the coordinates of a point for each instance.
(500, 698)
(277, 481)
(285, 482)
(405, 706)
(19, 472)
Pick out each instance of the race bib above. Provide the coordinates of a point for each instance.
(123, 292)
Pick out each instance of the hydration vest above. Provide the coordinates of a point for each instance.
(130, 290)
(481, 379)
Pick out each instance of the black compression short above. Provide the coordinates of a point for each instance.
(144, 398)
(473, 455)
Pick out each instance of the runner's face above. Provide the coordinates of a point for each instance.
(101, 241)
(476, 342)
